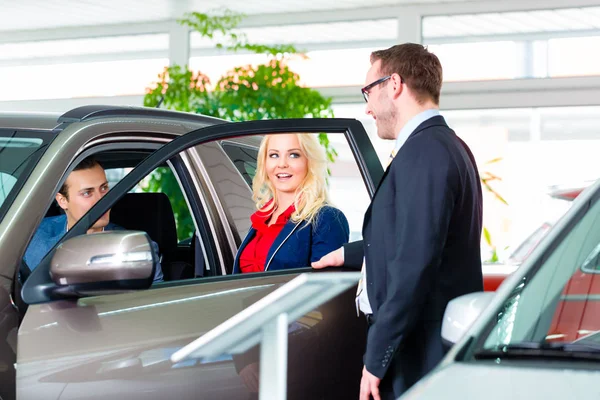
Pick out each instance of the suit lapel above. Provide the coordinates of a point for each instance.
(285, 233)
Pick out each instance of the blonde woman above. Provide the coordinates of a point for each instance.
(294, 224)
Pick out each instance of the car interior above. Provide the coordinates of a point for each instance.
(152, 213)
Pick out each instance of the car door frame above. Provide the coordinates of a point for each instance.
(40, 288)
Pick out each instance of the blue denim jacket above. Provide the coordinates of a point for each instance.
(51, 230)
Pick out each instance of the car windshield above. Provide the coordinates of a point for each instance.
(557, 307)
(19, 152)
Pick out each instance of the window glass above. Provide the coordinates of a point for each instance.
(156, 205)
(349, 65)
(573, 56)
(161, 180)
(19, 153)
(84, 79)
(345, 186)
(478, 61)
(330, 32)
(537, 149)
(6, 184)
(73, 47)
(508, 45)
(560, 301)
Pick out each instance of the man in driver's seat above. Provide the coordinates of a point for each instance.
(82, 189)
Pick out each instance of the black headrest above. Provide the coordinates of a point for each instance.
(149, 212)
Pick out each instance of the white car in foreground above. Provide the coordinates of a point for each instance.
(538, 336)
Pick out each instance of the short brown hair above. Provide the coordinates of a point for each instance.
(420, 69)
(87, 163)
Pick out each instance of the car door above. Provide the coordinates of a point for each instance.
(118, 344)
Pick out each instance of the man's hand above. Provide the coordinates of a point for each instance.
(369, 385)
(333, 259)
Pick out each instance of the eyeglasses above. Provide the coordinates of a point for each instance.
(365, 90)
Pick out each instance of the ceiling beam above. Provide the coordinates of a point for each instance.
(307, 17)
(81, 32)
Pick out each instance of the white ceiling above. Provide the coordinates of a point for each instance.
(42, 14)
(586, 19)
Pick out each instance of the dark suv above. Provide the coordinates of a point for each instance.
(87, 332)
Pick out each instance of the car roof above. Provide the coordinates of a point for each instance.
(50, 121)
(568, 192)
(29, 120)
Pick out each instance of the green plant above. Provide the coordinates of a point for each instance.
(486, 178)
(266, 91)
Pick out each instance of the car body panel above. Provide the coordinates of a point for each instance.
(88, 343)
(514, 381)
(27, 120)
(536, 377)
(495, 274)
(49, 171)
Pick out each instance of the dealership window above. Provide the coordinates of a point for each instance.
(61, 69)
(320, 68)
(539, 149)
(336, 54)
(512, 45)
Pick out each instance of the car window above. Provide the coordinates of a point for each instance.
(346, 188)
(243, 154)
(161, 180)
(19, 152)
(220, 198)
(529, 244)
(155, 205)
(561, 301)
(7, 182)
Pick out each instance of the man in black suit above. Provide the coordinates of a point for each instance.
(422, 231)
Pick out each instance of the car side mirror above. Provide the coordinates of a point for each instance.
(460, 314)
(114, 261)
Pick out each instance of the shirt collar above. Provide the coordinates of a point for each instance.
(259, 218)
(413, 124)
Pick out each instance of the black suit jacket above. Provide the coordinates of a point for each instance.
(421, 240)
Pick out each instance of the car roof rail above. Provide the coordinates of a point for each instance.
(85, 113)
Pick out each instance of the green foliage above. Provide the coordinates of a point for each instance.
(267, 91)
(487, 177)
(488, 239)
(223, 27)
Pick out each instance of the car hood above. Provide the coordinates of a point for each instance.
(470, 381)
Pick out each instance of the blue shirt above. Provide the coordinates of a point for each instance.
(51, 230)
(413, 124)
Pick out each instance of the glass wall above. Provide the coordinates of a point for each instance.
(334, 54)
(509, 45)
(62, 69)
(539, 152)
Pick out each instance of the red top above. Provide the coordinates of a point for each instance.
(254, 255)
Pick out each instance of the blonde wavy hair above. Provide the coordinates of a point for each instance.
(311, 194)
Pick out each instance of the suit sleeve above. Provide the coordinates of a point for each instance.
(354, 255)
(417, 229)
(329, 232)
